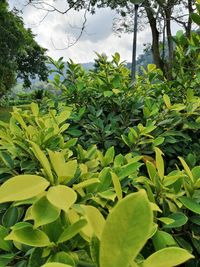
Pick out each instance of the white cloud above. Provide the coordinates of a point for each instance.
(58, 31)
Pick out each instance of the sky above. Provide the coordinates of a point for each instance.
(56, 32)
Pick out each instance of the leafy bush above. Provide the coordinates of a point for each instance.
(63, 190)
(105, 175)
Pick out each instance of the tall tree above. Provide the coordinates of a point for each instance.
(20, 55)
(160, 14)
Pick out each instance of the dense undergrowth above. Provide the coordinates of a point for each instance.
(107, 173)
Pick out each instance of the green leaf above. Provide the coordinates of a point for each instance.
(166, 220)
(4, 245)
(86, 183)
(39, 154)
(19, 118)
(95, 219)
(22, 187)
(29, 236)
(168, 257)
(5, 259)
(35, 109)
(129, 169)
(62, 197)
(10, 217)
(134, 264)
(186, 168)
(163, 239)
(171, 179)
(72, 230)
(63, 116)
(150, 67)
(151, 169)
(179, 218)
(56, 264)
(64, 170)
(116, 58)
(108, 93)
(43, 212)
(196, 18)
(109, 156)
(160, 163)
(158, 141)
(167, 100)
(117, 185)
(62, 257)
(190, 204)
(126, 230)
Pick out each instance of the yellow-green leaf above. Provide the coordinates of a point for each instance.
(25, 234)
(95, 219)
(86, 183)
(64, 170)
(166, 220)
(126, 230)
(186, 168)
(62, 197)
(22, 187)
(167, 100)
(19, 118)
(159, 162)
(134, 264)
(117, 185)
(168, 257)
(151, 67)
(56, 264)
(35, 109)
(72, 230)
(39, 154)
(43, 212)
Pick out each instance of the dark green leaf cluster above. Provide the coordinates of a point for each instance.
(20, 55)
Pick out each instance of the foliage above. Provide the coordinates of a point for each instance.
(47, 169)
(106, 166)
(20, 55)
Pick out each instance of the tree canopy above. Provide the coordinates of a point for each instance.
(20, 55)
(159, 14)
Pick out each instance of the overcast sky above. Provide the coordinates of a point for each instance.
(57, 31)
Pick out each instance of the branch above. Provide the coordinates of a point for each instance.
(82, 29)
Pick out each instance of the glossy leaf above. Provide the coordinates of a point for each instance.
(159, 162)
(179, 218)
(43, 212)
(186, 168)
(22, 187)
(4, 245)
(64, 170)
(95, 219)
(86, 183)
(29, 236)
(39, 154)
(117, 185)
(167, 257)
(163, 239)
(61, 196)
(190, 204)
(62, 257)
(126, 230)
(56, 264)
(72, 230)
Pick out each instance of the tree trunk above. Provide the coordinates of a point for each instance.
(155, 36)
(169, 41)
(133, 67)
(189, 24)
